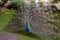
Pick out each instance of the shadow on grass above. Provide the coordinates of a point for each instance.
(29, 34)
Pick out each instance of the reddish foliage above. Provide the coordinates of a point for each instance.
(4, 2)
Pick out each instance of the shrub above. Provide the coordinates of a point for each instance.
(15, 4)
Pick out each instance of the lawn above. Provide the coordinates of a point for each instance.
(58, 24)
(5, 17)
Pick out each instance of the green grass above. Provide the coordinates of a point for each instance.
(30, 35)
(58, 25)
(22, 37)
(5, 17)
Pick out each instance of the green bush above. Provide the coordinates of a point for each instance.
(15, 4)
